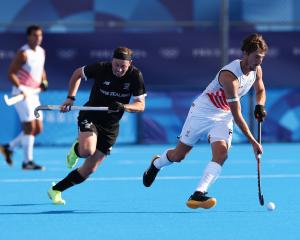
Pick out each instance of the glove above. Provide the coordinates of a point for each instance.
(116, 107)
(44, 85)
(260, 112)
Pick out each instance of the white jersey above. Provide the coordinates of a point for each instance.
(30, 74)
(212, 102)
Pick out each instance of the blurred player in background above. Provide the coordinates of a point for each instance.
(114, 84)
(211, 117)
(28, 77)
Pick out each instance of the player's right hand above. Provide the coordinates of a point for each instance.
(258, 149)
(116, 107)
(24, 90)
(66, 106)
(44, 85)
(260, 112)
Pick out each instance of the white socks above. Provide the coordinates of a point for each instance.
(162, 161)
(16, 142)
(210, 175)
(28, 143)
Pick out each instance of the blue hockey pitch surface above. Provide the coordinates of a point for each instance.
(114, 204)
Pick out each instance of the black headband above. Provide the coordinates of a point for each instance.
(122, 56)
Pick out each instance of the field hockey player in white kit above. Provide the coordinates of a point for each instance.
(211, 117)
(28, 77)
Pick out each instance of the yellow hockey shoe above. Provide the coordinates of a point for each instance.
(55, 196)
(200, 200)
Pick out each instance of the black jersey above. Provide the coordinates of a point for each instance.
(108, 88)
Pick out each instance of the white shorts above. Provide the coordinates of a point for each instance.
(205, 127)
(25, 108)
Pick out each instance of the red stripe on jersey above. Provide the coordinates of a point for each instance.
(27, 82)
(212, 99)
(20, 74)
(224, 98)
(218, 99)
(222, 102)
(25, 72)
(26, 79)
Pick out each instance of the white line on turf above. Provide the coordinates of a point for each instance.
(30, 180)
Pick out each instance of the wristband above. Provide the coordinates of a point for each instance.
(71, 97)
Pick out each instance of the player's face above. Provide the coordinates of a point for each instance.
(120, 67)
(255, 59)
(35, 38)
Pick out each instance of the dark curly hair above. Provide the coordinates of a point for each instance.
(253, 42)
(32, 28)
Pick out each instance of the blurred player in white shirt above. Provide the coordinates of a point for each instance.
(28, 76)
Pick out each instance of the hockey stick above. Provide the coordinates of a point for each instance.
(260, 195)
(58, 107)
(13, 100)
(20, 97)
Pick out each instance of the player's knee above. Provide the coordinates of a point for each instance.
(86, 152)
(221, 154)
(29, 132)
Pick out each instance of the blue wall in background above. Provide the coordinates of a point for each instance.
(168, 61)
(177, 62)
(82, 15)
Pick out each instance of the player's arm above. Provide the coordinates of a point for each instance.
(139, 92)
(44, 83)
(230, 84)
(138, 105)
(260, 92)
(15, 66)
(75, 81)
(74, 84)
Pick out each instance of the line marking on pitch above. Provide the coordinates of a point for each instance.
(107, 179)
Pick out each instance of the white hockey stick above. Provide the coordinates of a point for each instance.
(20, 97)
(58, 107)
(13, 100)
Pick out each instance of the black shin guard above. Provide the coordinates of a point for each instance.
(72, 179)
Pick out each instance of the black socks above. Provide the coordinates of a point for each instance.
(72, 179)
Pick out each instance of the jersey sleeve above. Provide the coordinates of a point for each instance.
(91, 70)
(138, 86)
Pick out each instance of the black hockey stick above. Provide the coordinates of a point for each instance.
(260, 195)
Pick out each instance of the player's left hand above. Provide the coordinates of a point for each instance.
(260, 112)
(116, 107)
(258, 149)
(66, 106)
(44, 85)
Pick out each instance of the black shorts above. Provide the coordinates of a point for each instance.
(106, 136)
